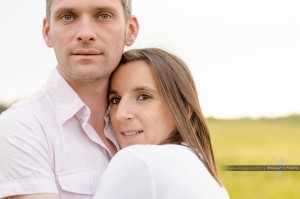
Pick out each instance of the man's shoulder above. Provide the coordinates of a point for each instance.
(25, 111)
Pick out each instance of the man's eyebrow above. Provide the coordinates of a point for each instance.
(63, 10)
(106, 8)
(96, 9)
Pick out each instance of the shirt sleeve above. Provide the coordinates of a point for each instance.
(126, 177)
(25, 159)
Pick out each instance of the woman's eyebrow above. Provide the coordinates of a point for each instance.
(112, 92)
(135, 89)
(144, 88)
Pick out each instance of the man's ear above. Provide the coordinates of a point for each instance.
(133, 30)
(46, 32)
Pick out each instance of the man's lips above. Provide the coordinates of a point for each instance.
(86, 52)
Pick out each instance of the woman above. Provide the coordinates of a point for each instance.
(154, 106)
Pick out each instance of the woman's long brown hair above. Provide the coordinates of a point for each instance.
(178, 89)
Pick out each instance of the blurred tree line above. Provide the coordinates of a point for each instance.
(3, 107)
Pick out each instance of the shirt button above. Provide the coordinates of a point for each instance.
(82, 120)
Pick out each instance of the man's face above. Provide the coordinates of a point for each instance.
(88, 37)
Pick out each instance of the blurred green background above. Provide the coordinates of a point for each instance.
(265, 141)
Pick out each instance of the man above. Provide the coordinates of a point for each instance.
(57, 143)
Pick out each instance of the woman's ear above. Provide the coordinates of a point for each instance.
(46, 32)
(133, 31)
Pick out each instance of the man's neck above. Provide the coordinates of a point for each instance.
(94, 95)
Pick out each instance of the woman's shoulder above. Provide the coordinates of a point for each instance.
(162, 165)
(152, 157)
(149, 149)
(150, 153)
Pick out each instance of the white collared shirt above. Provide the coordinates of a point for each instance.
(48, 146)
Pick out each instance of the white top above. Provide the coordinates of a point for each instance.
(48, 146)
(158, 172)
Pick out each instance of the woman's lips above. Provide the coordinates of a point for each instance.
(131, 133)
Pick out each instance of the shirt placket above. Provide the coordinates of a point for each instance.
(84, 116)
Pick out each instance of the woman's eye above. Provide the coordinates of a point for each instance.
(144, 97)
(114, 100)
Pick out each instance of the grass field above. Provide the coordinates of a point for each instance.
(258, 142)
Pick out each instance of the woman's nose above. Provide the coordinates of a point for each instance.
(124, 110)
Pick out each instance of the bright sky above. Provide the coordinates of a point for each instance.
(244, 55)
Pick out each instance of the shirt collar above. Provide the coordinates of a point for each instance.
(68, 104)
(64, 98)
(108, 130)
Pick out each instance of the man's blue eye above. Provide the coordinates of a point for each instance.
(67, 17)
(104, 16)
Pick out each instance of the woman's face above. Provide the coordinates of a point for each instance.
(138, 112)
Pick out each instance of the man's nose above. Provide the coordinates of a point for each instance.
(86, 31)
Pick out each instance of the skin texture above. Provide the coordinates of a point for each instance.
(88, 38)
(138, 112)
